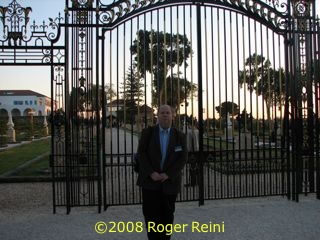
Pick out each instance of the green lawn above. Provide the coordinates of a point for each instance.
(16, 156)
(37, 168)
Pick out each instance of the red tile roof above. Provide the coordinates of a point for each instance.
(20, 93)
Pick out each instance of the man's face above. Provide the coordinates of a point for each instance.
(165, 116)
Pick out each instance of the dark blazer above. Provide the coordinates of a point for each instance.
(150, 158)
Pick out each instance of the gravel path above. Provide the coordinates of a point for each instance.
(26, 213)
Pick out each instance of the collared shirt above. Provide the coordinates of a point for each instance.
(164, 141)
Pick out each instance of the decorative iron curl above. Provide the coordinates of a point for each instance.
(118, 9)
(51, 36)
(54, 25)
(279, 6)
(106, 17)
(46, 56)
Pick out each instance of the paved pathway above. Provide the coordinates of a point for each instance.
(120, 141)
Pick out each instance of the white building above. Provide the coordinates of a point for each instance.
(24, 103)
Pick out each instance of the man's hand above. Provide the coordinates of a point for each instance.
(164, 177)
(155, 176)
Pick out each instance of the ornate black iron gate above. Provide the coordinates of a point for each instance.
(242, 76)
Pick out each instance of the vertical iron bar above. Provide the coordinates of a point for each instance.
(117, 120)
(178, 67)
(224, 54)
(52, 152)
(131, 122)
(99, 123)
(239, 101)
(171, 68)
(164, 80)
(287, 125)
(124, 117)
(67, 115)
(206, 87)
(158, 63)
(220, 99)
(259, 163)
(144, 74)
(110, 154)
(200, 105)
(269, 123)
(252, 44)
(213, 110)
(104, 120)
(317, 93)
(274, 136)
(241, 180)
(233, 156)
(247, 161)
(192, 77)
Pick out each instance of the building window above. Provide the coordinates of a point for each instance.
(26, 102)
(17, 102)
(35, 102)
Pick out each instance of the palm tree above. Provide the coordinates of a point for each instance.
(259, 76)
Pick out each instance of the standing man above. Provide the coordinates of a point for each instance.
(162, 156)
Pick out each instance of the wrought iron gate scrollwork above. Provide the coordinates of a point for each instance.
(28, 44)
(274, 13)
(248, 92)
